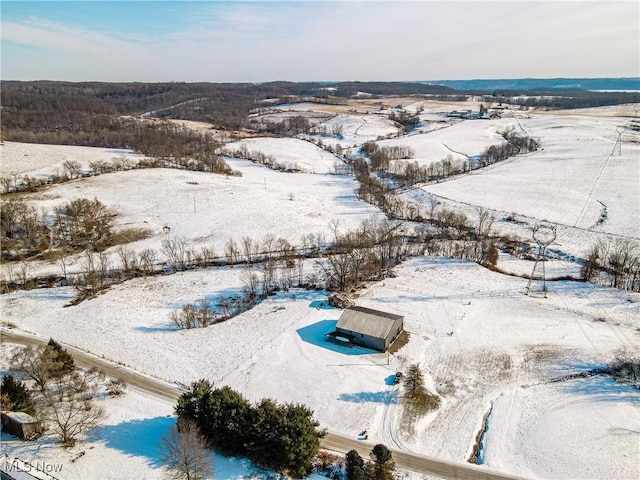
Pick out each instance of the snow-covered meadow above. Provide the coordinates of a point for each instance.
(291, 153)
(460, 141)
(43, 161)
(485, 346)
(476, 334)
(576, 177)
(208, 210)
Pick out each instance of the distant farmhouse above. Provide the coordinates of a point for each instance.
(368, 328)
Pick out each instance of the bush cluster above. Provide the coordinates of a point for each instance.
(283, 438)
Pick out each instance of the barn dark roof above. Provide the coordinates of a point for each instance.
(367, 321)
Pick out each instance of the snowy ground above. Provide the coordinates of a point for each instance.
(460, 140)
(480, 340)
(573, 180)
(208, 209)
(473, 331)
(45, 160)
(292, 153)
(358, 129)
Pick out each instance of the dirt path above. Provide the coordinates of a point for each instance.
(332, 442)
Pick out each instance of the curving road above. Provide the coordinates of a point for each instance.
(333, 442)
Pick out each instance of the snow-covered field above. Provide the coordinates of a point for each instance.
(571, 180)
(475, 333)
(45, 160)
(291, 153)
(208, 209)
(358, 129)
(460, 140)
(484, 345)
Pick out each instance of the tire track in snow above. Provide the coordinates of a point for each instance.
(332, 442)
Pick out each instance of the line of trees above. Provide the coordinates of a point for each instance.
(381, 157)
(362, 254)
(614, 263)
(408, 121)
(406, 174)
(281, 437)
(257, 156)
(165, 145)
(380, 465)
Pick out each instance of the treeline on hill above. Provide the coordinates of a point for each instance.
(284, 438)
(385, 160)
(560, 98)
(89, 113)
(165, 145)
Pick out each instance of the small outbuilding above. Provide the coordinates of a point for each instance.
(370, 328)
(21, 425)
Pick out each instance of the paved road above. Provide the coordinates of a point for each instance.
(336, 443)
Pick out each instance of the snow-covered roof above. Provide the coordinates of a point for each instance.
(374, 323)
(21, 417)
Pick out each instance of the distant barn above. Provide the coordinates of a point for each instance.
(369, 328)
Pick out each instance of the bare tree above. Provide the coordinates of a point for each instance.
(72, 168)
(83, 222)
(127, 258)
(485, 221)
(249, 248)
(63, 397)
(175, 250)
(231, 251)
(205, 312)
(207, 254)
(251, 281)
(147, 260)
(116, 387)
(268, 276)
(68, 403)
(269, 244)
(184, 452)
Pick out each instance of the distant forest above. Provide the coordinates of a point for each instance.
(91, 113)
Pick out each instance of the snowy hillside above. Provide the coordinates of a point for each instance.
(515, 370)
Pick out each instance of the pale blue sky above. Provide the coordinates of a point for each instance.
(240, 41)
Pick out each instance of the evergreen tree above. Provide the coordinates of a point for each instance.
(221, 414)
(414, 380)
(63, 362)
(355, 466)
(285, 437)
(229, 414)
(192, 404)
(382, 466)
(15, 396)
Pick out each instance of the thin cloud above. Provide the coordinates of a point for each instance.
(64, 39)
(229, 41)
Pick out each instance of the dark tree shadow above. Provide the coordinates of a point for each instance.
(166, 328)
(140, 438)
(370, 397)
(315, 335)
